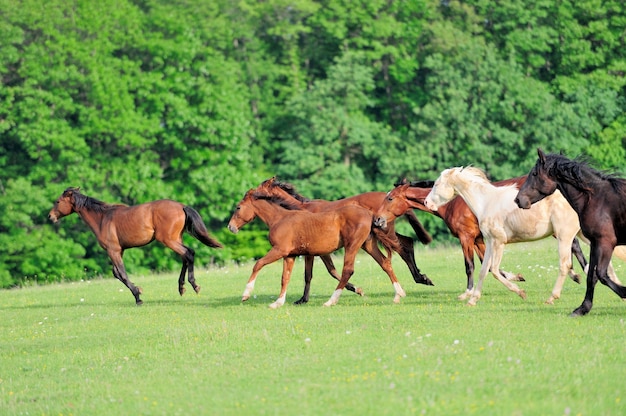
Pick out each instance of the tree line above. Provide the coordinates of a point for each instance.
(197, 101)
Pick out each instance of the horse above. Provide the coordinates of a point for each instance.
(599, 202)
(119, 227)
(369, 200)
(460, 220)
(502, 222)
(294, 232)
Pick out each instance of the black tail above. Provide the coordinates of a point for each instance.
(196, 228)
(421, 232)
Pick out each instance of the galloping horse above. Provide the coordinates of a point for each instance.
(403, 245)
(460, 220)
(600, 203)
(118, 227)
(294, 232)
(502, 222)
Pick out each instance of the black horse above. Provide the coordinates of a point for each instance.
(600, 201)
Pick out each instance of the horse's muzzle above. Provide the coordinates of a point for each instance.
(380, 222)
(233, 229)
(53, 218)
(522, 202)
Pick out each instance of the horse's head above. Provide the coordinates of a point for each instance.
(443, 189)
(244, 213)
(64, 205)
(393, 206)
(538, 185)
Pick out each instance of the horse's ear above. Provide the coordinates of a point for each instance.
(542, 156)
(400, 181)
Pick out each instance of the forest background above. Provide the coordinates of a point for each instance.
(199, 100)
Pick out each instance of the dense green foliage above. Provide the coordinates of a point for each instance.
(199, 100)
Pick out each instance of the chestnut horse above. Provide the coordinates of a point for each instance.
(598, 199)
(403, 245)
(460, 220)
(118, 227)
(294, 232)
(502, 222)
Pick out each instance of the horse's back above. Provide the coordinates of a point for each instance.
(304, 232)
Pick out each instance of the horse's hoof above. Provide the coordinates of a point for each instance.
(301, 301)
(274, 305)
(550, 301)
(522, 294)
(139, 302)
(182, 290)
(359, 291)
(197, 289)
(471, 303)
(425, 281)
(328, 304)
(245, 298)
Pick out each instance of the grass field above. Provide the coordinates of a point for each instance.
(85, 348)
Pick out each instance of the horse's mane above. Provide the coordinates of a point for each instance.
(291, 190)
(280, 201)
(86, 202)
(578, 172)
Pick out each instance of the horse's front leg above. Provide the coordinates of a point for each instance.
(287, 269)
(270, 257)
(119, 271)
(346, 273)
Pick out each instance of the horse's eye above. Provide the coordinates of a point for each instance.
(389, 199)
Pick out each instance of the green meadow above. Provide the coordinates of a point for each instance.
(84, 348)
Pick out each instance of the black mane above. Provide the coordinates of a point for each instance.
(278, 201)
(577, 172)
(86, 202)
(291, 190)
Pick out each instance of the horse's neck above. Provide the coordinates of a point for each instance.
(576, 198)
(269, 212)
(416, 196)
(476, 195)
(92, 218)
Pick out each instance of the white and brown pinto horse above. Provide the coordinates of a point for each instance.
(502, 222)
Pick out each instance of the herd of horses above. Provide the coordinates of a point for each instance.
(560, 197)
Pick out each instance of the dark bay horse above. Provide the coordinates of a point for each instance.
(599, 200)
(403, 245)
(119, 227)
(459, 219)
(294, 232)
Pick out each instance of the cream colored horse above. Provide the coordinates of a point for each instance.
(502, 222)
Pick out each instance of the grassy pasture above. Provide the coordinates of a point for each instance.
(86, 349)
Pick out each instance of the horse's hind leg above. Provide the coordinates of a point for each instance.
(187, 255)
(119, 271)
(330, 266)
(308, 275)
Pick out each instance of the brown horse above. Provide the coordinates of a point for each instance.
(371, 201)
(118, 227)
(460, 220)
(294, 232)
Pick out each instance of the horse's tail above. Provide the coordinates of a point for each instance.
(421, 232)
(196, 228)
(389, 243)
